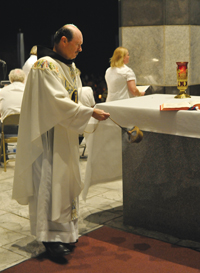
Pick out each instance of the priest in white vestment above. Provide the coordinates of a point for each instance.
(47, 175)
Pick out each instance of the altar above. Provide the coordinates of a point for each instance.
(161, 176)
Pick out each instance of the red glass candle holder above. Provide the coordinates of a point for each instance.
(182, 79)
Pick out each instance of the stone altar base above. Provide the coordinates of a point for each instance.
(161, 184)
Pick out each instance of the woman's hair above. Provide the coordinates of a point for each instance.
(117, 59)
(17, 75)
(33, 50)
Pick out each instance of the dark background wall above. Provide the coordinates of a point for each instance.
(160, 12)
(38, 21)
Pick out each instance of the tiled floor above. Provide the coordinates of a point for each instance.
(104, 203)
(103, 207)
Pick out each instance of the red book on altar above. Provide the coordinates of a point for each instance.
(180, 105)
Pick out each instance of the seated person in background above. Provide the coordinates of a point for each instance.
(11, 98)
(30, 61)
(11, 95)
(120, 79)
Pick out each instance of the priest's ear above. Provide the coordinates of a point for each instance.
(64, 39)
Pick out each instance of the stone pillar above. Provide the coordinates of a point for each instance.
(159, 33)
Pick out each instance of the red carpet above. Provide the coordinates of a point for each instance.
(109, 250)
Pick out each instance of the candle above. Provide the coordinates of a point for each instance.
(182, 70)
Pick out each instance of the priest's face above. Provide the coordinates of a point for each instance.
(72, 48)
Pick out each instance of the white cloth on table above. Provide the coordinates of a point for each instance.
(104, 163)
(143, 112)
(116, 79)
(11, 99)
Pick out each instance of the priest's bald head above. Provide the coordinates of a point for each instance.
(68, 41)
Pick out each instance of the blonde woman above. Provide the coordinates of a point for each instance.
(120, 79)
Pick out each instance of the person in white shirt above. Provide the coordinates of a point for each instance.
(30, 61)
(120, 79)
(11, 98)
(11, 95)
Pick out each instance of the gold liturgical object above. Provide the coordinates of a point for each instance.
(182, 78)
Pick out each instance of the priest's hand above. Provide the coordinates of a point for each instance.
(100, 114)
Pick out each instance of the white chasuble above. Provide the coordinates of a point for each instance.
(48, 114)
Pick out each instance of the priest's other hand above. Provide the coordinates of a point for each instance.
(100, 114)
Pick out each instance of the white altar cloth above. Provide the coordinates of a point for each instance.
(104, 145)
